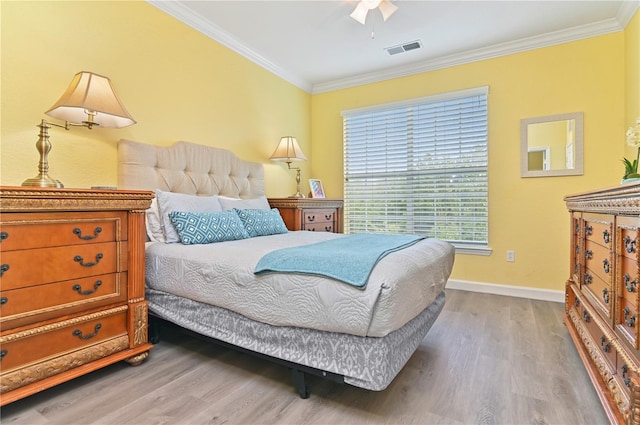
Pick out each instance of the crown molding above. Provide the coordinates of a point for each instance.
(502, 49)
(195, 21)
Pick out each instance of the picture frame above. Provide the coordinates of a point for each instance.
(317, 191)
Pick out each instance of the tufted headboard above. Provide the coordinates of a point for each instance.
(188, 168)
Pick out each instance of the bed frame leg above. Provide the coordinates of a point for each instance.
(154, 329)
(298, 382)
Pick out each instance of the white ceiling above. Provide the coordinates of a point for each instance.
(318, 47)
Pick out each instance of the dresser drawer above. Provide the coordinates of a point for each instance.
(627, 321)
(628, 276)
(598, 261)
(23, 348)
(599, 292)
(37, 266)
(600, 340)
(23, 306)
(599, 231)
(318, 216)
(27, 231)
(627, 243)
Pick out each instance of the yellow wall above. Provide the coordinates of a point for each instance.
(177, 83)
(632, 77)
(180, 85)
(525, 215)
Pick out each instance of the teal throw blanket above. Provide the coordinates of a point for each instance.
(349, 259)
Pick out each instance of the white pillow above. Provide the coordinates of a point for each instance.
(259, 203)
(153, 223)
(169, 202)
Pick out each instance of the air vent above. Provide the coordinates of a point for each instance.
(401, 48)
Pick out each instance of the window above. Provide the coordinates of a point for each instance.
(419, 167)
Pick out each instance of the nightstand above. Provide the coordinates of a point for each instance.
(72, 296)
(312, 214)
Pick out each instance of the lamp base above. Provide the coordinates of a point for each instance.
(42, 181)
(297, 195)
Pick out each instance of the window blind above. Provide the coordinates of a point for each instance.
(419, 167)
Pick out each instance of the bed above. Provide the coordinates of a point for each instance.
(309, 322)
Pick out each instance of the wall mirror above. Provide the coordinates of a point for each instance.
(552, 145)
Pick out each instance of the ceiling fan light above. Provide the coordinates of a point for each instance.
(387, 9)
(360, 13)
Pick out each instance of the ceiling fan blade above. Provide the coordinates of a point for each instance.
(387, 9)
(360, 13)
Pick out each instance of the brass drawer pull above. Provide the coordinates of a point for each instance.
(96, 232)
(327, 228)
(606, 265)
(605, 295)
(630, 321)
(79, 290)
(3, 268)
(79, 259)
(588, 254)
(588, 230)
(630, 284)
(606, 346)
(576, 303)
(627, 380)
(629, 245)
(328, 217)
(3, 353)
(587, 278)
(78, 332)
(3, 301)
(3, 236)
(606, 236)
(586, 317)
(311, 218)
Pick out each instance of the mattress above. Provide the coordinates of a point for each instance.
(402, 285)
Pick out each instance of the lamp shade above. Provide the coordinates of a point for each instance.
(288, 150)
(91, 98)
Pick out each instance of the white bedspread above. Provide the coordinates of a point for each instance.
(402, 284)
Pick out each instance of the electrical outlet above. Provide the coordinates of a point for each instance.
(511, 256)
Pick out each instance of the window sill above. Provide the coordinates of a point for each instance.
(472, 249)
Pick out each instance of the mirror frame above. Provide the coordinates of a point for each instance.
(579, 148)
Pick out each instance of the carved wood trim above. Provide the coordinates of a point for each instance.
(140, 324)
(36, 372)
(29, 199)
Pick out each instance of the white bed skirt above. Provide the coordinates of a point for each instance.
(365, 362)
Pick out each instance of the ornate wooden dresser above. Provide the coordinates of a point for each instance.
(313, 214)
(602, 302)
(71, 284)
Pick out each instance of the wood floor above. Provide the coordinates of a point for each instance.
(487, 360)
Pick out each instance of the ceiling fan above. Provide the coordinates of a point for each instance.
(362, 9)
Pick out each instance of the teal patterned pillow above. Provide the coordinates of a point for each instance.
(207, 227)
(262, 222)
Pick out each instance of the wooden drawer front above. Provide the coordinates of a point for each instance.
(628, 278)
(318, 216)
(627, 243)
(600, 340)
(36, 303)
(599, 261)
(31, 233)
(599, 292)
(321, 220)
(627, 321)
(44, 265)
(319, 227)
(44, 343)
(600, 232)
(623, 375)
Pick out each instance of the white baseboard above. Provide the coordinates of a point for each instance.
(507, 290)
